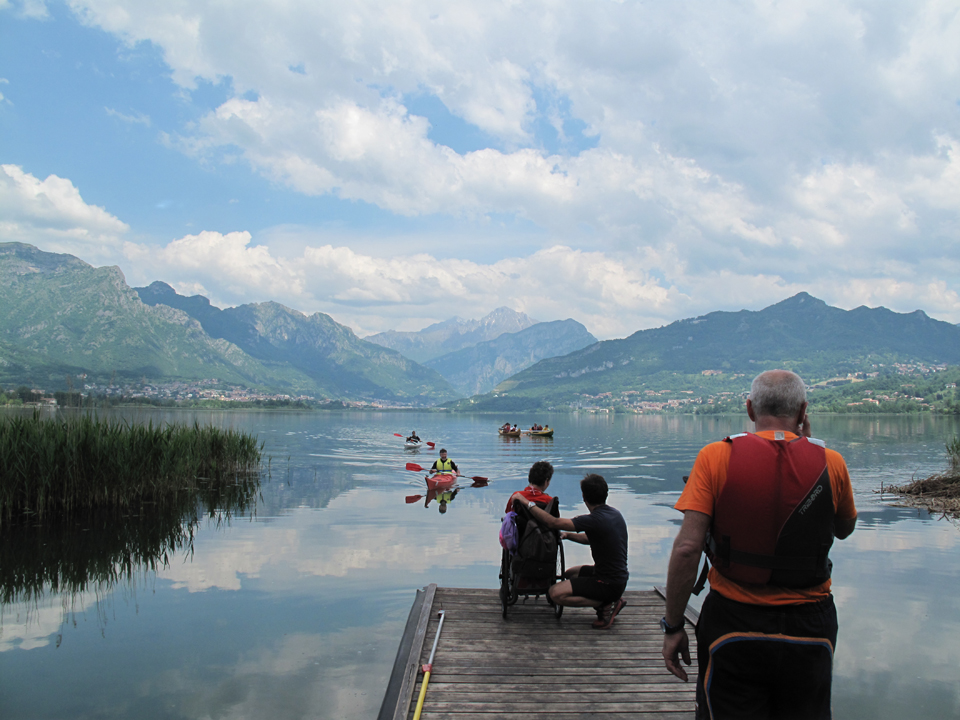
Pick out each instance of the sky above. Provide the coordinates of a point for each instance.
(393, 164)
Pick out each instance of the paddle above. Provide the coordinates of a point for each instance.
(419, 468)
(428, 444)
(413, 498)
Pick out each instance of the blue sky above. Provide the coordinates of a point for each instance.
(394, 164)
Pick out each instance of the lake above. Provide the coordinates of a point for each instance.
(297, 609)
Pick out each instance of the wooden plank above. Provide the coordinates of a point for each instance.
(533, 665)
(416, 648)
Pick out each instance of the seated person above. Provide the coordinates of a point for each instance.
(538, 478)
(506, 427)
(600, 585)
(413, 437)
(443, 465)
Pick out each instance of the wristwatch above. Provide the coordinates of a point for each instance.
(669, 629)
(531, 503)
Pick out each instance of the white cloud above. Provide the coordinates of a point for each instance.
(135, 118)
(52, 213)
(35, 9)
(712, 156)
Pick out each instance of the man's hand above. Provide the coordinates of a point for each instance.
(518, 496)
(676, 646)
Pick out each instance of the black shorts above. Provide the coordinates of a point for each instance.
(593, 587)
(765, 661)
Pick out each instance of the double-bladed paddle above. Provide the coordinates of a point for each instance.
(428, 444)
(419, 468)
(478, 481)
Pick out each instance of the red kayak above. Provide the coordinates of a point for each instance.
(440, 481)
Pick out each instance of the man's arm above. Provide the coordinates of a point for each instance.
(575, 537)
(681, 576)
(542, 516)
(844, 528)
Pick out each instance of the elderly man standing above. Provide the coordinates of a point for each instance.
(766, 507)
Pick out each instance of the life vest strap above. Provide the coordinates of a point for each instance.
(723, 555)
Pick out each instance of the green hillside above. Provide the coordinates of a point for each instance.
(60, 316)
(329, 353)
(722, 351)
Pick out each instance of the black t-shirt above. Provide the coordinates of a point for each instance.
(607, 532)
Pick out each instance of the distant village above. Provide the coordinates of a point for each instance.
(212, 392)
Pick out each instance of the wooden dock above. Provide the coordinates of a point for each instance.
(533, 665)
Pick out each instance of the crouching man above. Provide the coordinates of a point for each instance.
(600, 585)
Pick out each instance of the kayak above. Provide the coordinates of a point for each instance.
(541, 433)
(440, 481)
(410, 445)
(509, 433)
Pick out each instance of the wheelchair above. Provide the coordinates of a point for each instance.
(538, 562)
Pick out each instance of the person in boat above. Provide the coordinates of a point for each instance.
(600, 585)
(444, 465)
(413, 437)
(766, 507)
(538, 479)
(506, 427)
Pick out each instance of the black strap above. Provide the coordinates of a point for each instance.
(702, 580)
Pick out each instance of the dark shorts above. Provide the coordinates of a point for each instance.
(765, 661)
(592, 587)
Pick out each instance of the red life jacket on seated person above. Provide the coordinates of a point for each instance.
(773, 521)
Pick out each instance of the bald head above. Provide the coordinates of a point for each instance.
(777, 393)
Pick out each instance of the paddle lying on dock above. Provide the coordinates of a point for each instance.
(428, 444)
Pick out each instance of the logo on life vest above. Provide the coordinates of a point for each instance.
(809, 502)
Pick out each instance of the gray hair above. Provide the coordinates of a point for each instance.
(777, 393)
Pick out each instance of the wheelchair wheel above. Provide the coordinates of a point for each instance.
(561, 568)
(504, 582)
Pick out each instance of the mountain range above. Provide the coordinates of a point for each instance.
(452, 335)
(61, 317)
(727, 349)
(481, 367)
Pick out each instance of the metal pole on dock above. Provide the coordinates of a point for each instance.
(428, 668)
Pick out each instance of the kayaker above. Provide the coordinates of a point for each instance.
(413, 437)
(538, 478)
(444, 465)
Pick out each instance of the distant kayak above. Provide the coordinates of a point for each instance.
(411, 445)
(440, 481)
(509, 433)
(540, 433)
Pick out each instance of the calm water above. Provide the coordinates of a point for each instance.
(297, 611)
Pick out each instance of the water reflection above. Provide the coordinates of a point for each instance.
(299, 611)
(95, 552)
(444, 493)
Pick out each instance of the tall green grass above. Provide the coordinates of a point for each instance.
(56, 468)
(953, 455)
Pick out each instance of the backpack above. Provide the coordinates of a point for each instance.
(508, 532)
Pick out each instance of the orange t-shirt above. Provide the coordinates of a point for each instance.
(702, 490)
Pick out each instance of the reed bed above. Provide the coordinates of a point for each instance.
(62, 468)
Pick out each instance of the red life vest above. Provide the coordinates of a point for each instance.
(773, 521)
